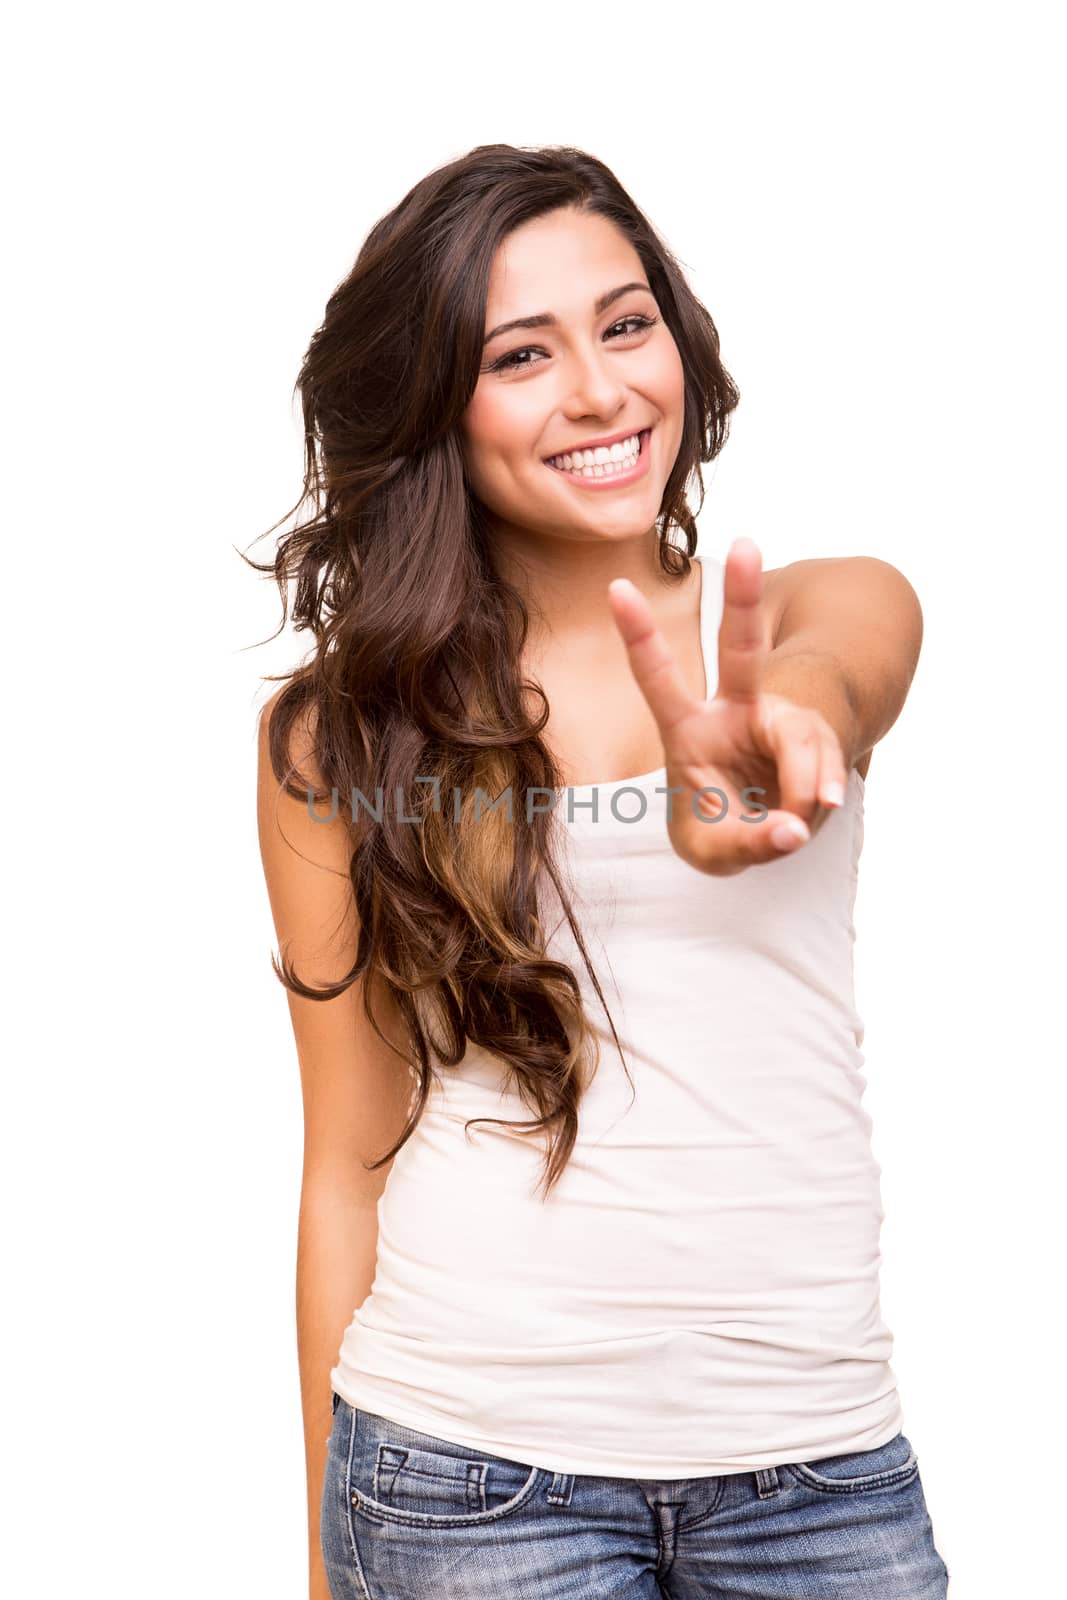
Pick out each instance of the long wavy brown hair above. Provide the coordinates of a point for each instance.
(418, 640)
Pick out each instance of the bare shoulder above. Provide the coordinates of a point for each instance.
(848, 581)
(281, 815)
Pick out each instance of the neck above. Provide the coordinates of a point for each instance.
(564, 582)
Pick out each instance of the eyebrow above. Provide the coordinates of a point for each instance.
(545, 319)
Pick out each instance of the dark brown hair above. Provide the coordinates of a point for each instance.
(415, 669)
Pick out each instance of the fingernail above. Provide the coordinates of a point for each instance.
(787, 835)
(833, 794)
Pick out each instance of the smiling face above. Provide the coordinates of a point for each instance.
(605, 368)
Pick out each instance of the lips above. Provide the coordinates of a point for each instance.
(601, 444)
(642, 436)
(609, 480)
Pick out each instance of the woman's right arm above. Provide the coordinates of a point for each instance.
(356, 1094)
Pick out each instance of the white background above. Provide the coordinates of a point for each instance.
(866, 199)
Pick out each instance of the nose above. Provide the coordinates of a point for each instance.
(592, 388)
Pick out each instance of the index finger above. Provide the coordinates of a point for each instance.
(651, 661)
(742, 649)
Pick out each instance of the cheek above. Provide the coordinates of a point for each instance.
(666, 388)
(500, 428)
(668, 375)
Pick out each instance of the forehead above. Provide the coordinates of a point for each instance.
(560, 261)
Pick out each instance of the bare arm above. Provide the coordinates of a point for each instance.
(846, 642)
(356, 1097)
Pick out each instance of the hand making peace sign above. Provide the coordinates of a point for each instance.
(741, 738)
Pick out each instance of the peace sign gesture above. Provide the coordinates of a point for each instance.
(741, 739)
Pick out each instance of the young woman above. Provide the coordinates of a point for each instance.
(561, 825)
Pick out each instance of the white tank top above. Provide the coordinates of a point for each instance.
(699, 1294)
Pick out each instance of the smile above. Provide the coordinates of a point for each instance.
(604, 467)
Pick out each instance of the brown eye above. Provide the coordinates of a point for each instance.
(511, 360)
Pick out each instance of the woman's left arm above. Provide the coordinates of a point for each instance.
(846, 644)
(812, 671)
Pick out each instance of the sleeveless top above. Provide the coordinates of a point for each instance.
(699, 1294)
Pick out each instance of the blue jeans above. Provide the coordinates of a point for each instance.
(408, 1516)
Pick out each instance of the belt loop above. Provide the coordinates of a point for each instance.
(559, 1490)
(767, 1483)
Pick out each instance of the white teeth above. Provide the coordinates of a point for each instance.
(601, 462)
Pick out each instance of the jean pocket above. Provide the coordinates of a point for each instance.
(400, 1475)
(884, 1467)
